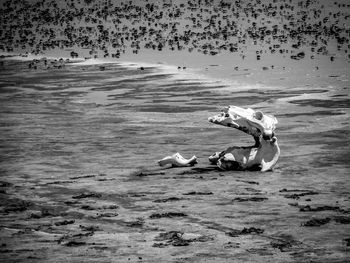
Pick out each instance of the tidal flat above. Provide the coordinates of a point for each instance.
(80, 181)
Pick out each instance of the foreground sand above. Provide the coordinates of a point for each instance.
(80, 181)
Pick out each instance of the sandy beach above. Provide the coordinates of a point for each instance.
(80, 136)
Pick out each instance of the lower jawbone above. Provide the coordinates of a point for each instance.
(263, 155)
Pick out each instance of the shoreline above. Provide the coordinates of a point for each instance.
(318, 89)
(205, 70)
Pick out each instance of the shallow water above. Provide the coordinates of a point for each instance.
(81, 129)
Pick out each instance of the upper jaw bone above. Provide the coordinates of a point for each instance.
(248, 120)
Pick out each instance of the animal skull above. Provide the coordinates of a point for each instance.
(263, 155)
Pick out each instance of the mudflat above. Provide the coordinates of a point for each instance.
(80, 180)
(93, 94)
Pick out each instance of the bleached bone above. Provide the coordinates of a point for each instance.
(248, 120)
(177, 160)
(263, 155)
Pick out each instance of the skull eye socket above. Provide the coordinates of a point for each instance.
(258, 115)
(227, 115)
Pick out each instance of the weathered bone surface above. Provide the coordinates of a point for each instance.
(263, 155)
(177, 160)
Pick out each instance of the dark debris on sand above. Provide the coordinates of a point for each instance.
(176, 238)
(167, 215)
(284, 244)
(250, 199)
(86, 176)
(144, 173)
(199, 170)
(16, 205)
(87, 207)
(104, 207)
(139, 222)
(75, 243)
(65, 222)
(317, 222)
(245, 231)
(60, 182)
(342, 219)
(198, 193)
(5, 184)
(297, 193)
(347, 242)
(90, 228)
(173, 238)
(87, 195)
(307, 208)
(72, 240)
(108, 214)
